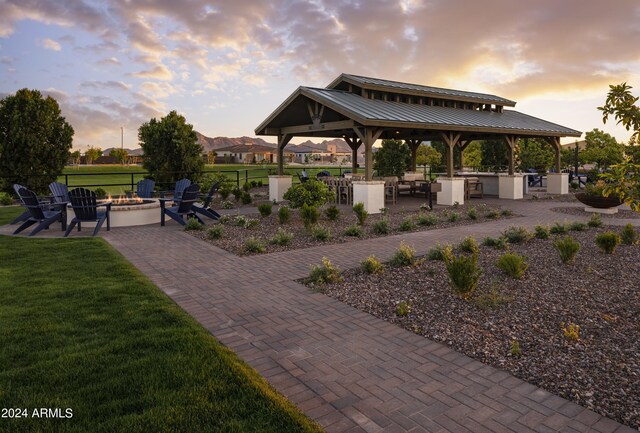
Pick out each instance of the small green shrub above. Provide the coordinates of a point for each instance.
(499, 243)
(380, 227)
(407, 224)
(284, 215)
(439, 251)
(320, 233)
(224, 193)
(259, 183)
(515, 350)
(215, 232)
(629, 235)
(312, 193)
(506, 212)
(608, 241)
(309, 215)
(265, 209)
(371, 265)
(403, 309)
(464, 273)
(5, 199)
(224, 219)
(237, 193)
(469, 245)
(324, 273)
(241, 221)
(332, 212)
(516, 235)
(282, 237)
(595, 221)
(361, 213)
(353, 230)
(492, 299)
(567, 247)
(405, 255)
(542, 232)
(427, 220)
(472, 213)
(571, 332)
(100, 193)
(193, 224)
(228, 205)
(253, 245)
(559, 229)
(246, 187)
(453, 217)
(245, 197)
(578, 226)
(493, 214)
(513, 265)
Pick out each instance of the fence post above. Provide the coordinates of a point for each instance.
(238, 178)
(66, 179)
(246, 176)
(132, 182)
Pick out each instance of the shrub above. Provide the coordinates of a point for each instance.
(332, 212)
(228, 205)
(312, 193)
(542, 232)
(241, 221)
(361, 213)
(472, 213)
(500, 243)
(469, 245)
(493, 214)
(513, 265)
(403, 309)
(246, 187)
(284, 215)
(253, 245)
(320, 233)
(506, 212)
(371, 265)
(567, 247)
(629, 235)
(453, 217)
(224, 219)
(464, 273)
(380, 227)
(100, 193)
(559, 229)
(245, 197)
(353, 230)
(224, 193)
(572, 332)
(265, 209)
(237, 193)
(595, 221)
(608, 241)
(193, 224)
(309, 215)
(215, 232)
(516, 235)
(427, 220)
(324, 273)
(282, 237)
(407, 224)
(5, 199)
(515, 350)
(404, 255)
(493, 299)
(578, 226)
(439, 251)
(259, 183)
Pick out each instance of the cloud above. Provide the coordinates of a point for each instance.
(50, 44)
(109, 85)
(160, 72)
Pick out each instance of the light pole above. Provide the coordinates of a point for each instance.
(122, 144)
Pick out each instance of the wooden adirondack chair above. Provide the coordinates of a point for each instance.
(204, 208)
(85, 206)
(144, 188)
(40, 213)
(183, 208)
(181, 185)
(24, 215)
(59, 192)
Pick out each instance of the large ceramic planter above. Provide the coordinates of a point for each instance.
(597, 201)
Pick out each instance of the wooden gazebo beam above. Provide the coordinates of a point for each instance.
(451, 139)
(512, 142)
(413, 144)
(354, 143)
(368, 137)
(283, 140)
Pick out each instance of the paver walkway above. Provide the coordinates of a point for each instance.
(348, 370)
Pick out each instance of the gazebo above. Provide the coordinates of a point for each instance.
(362, 110)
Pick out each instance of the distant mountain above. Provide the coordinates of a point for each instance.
(131, 152)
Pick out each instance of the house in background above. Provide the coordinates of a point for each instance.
(249, 154)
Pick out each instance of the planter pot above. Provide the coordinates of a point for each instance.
(598, 201)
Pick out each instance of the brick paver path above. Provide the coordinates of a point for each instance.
(348, 370)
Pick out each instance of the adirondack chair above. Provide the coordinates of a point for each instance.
(144, 188)
(59, 192)
(181, 185)
(24, 215)
(85, 206)
(183, 208)
(40, 213)
(204, 207)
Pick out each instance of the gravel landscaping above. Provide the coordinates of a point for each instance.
(622, 213)
(235, 233)
(517, 324)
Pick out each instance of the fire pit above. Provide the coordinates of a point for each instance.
(127, 211)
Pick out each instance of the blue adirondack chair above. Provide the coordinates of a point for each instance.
(59, 192)
(24, 215)
(144, 188)
(181, 185)
(183, 208)
(204, 208)
(40, 213)
(85, 206)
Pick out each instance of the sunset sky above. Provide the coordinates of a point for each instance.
(227, 65)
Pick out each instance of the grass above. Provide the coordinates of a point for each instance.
(9, 213)
(83, 329)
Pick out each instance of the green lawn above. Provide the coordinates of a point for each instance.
(83, 329)
(8, 213)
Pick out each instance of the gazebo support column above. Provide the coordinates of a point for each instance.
(413, 146)
(279, 184)
(368, 191)
(354, 143)
(511, 186)
(463, 145)
(452, 187)
(557, 183)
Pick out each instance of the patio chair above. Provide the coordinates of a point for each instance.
(40, 213)
(24, 215)
(59, 192)
(144, 188)
(183, 208)
(181, 185)
(391, 189)
(85, 206)
(204, 207)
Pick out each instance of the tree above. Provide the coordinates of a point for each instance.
(211, 157)
(92, 153)
(34, 140)
(76, 155)
(120, 154)
(621, 104)
(494, 153)
(428, 155)
(473, 154)
(535, 153)
(602, 149)
(392, 159)
(171, 149)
